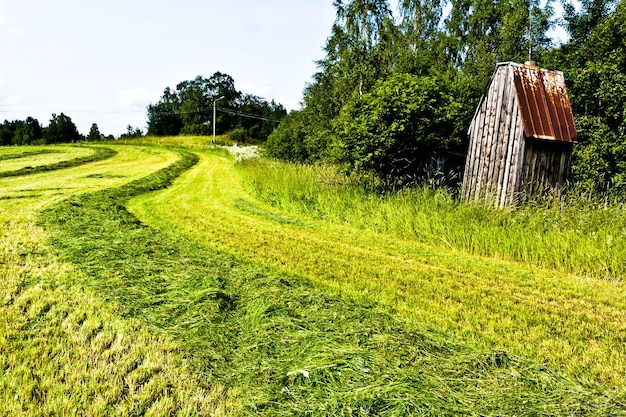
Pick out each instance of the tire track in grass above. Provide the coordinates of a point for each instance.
(572, 324)
(279, 344)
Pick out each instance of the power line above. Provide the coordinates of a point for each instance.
(251, 116)
(248, 115)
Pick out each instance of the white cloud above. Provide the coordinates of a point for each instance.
(136, 97)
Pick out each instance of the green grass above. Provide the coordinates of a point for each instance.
(63, 349)
(282, 346)
(94, 154)
(572, 323)
(577, 235)
(16, 154)
(154, 283)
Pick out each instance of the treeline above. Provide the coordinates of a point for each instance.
(393, 91)
(61, 129)
(188, 110)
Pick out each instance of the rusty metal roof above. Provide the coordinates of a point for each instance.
(543, 102)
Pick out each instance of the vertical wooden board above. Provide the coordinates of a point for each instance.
(513, 112)
(493, 174)
(469, 180)
(517, 161)
(505, 138)
(509, 191)
(494, 91)
(532, 167)
(483, 145)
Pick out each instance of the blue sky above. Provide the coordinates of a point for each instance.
(104, 61)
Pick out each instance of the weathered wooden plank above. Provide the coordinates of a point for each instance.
(492, 173)
(487, 174)
(511, 142)
(505, 135)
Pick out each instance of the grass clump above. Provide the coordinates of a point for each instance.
(18, 155)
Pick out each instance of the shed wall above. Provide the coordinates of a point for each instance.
(546, 165)
(497, 147)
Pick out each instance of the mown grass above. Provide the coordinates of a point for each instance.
(9, 153)
(65, 350)
(573, 324)
(44, 165)
(211, 302)
(576, 234)
(278, 343)
(186, 141)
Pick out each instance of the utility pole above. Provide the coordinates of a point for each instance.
(214, 102)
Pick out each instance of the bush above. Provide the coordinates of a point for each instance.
(392, 130)
(287, 141)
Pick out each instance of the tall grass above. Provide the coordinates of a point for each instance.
(577, 235)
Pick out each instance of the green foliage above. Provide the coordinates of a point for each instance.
(392, 130)
(94, 134)
(164, 117)
(368, 48)
(599, 160)
(287, 141)
(21, 132)
(61, 130)
(257, 118)
(189, 108)
(132, 132)
(595, 63)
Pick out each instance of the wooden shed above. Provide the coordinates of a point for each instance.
(521, 136)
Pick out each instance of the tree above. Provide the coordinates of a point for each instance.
(164, 118)
(480, 33)
(132, 132)
(359, 52)
(188, 109)
(61, 129)
(7, 133)
(420, 36)
(27, 132)
(94, 133)
(596, 68)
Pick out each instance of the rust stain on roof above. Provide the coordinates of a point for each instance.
(544, 104)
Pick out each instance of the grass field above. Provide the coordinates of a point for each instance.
(159, 281)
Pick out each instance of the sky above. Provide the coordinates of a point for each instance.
(104, 61)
